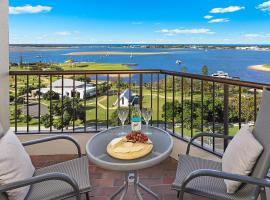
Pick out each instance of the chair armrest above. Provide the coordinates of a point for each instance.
(213, 135)
(57, 137)
(41, 178)
(223, 175)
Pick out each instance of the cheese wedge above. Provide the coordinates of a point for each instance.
(116, 141)
(121, 149)
(136, 148)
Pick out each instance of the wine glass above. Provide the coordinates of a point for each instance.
(147, 113)
(122, 115)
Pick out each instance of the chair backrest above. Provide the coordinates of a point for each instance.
(261, 132)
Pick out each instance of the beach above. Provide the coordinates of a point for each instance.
(264, 68)
(115, 53)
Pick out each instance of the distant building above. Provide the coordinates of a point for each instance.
(126, 99)
(68, 87)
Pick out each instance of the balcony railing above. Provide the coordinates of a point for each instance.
(182, 103)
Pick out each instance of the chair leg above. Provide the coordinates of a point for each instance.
(178, 194)
(181, 195)
(87, 196)
(263, 194)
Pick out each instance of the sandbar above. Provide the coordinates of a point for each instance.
(264, 68)
(115, 53)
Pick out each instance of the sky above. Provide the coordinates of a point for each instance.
(139, 21)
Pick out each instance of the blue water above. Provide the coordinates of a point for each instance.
(235, 62)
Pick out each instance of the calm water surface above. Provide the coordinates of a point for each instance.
(235, 62)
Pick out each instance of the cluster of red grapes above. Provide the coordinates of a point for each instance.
(137, 137)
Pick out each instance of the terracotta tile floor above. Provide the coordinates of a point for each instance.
(104, 182)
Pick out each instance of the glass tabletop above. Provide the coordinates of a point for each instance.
(96, 149)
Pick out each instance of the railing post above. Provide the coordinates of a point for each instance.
(16, 106)
(141, 90)
(226, 113)
(165, 94)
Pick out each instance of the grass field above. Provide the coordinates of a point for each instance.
(93, 66)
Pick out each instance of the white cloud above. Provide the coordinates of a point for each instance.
(251, 35)
(220, 20)
(171, 32)
(227, 10)
(63, 33)
(29, 9)
(137, 23)
(42, 37)
(265, 6)
(256, 35)
(208, 17)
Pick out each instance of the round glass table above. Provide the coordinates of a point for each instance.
(96, 152)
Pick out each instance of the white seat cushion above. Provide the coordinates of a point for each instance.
(15, 164)
(240, 156)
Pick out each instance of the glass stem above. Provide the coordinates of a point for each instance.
(123, 123)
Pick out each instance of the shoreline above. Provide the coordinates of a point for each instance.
(114, 53)
(263, 68)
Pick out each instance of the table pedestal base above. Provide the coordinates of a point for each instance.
(132, 177)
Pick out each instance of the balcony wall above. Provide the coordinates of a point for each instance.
(4, 64)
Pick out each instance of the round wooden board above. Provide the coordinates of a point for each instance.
(147, 148)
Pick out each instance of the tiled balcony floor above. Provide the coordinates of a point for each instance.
(104, 182)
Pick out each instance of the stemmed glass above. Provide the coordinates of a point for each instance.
(147, 113)
(122, 115)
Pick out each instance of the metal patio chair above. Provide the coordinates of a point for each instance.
(55, 182)
(205, 178)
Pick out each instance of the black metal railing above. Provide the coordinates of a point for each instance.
(182, 103)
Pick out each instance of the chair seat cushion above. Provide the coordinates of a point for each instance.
(207, 186)
(54, 189)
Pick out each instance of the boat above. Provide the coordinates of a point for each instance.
(178, 62)
(131, 55)
(222, 74)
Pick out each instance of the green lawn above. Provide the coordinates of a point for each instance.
(94, 66)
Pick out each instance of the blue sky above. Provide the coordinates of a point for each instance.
(140, 21)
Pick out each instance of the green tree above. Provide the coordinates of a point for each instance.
(51, 94)
(46, 120)
(172, 111)
(70, 108)
(177, 110)
(184, 69)
(66, 119)
(205, 70)
(25, 118)
(57, 123)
